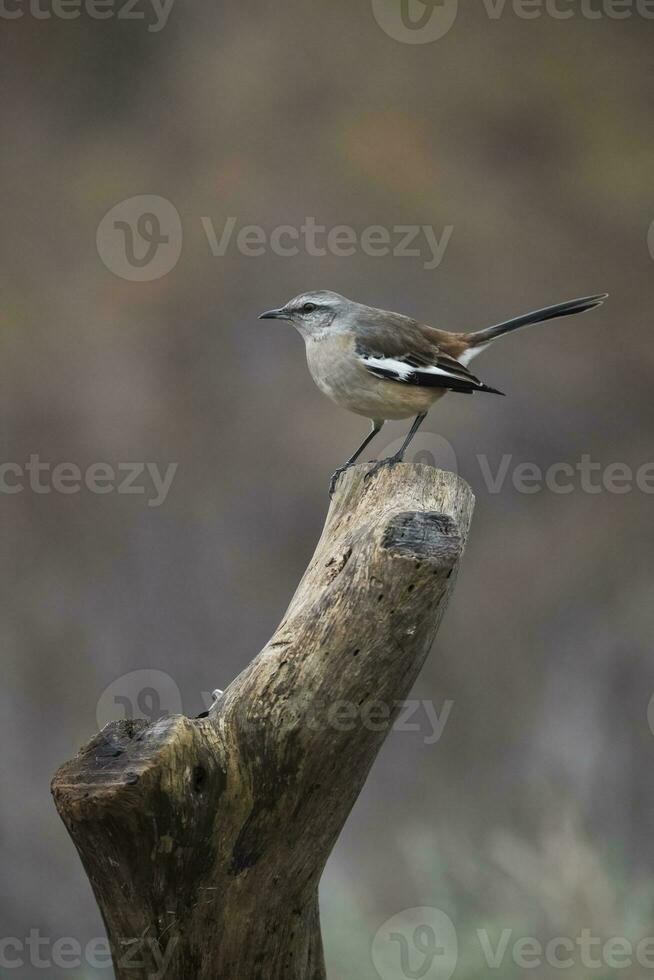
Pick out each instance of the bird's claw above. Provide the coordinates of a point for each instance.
(334, 479)
(380, 464)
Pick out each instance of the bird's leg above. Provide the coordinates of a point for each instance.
(417, 422)
(399, 455)
(376, 427)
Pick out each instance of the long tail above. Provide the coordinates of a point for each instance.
(481, 337)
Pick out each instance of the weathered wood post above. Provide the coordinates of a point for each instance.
(205, 839)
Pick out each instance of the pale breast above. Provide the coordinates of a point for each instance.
(340, 375)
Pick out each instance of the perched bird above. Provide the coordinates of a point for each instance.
(388, 366)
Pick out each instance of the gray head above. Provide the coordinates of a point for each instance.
(315, 312)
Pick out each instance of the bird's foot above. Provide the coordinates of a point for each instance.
(380, 464)
(335, 476)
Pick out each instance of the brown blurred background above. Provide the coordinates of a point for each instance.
(532, 139)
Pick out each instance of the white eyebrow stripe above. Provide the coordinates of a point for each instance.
(403, 370)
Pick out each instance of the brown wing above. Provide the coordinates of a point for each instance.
(400, 349)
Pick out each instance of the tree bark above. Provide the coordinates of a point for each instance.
(205, 839)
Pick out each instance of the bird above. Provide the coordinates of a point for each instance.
(386, 365)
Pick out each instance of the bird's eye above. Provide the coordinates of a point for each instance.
(309, 307)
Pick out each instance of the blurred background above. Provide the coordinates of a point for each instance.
(524, 144)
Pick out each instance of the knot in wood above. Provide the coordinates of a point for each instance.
(423, 536)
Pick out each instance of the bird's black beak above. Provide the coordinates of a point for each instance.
(275, 315)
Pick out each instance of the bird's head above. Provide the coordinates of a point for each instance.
(314, 313)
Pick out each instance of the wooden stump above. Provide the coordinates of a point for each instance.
(205, 839)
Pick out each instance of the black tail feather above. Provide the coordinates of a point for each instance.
(537, 316)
